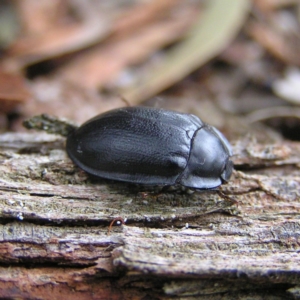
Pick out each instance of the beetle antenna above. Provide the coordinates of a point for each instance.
(125, 100)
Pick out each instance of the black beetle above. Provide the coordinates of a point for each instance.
(152, 146)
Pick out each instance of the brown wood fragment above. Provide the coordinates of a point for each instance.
(13, 91)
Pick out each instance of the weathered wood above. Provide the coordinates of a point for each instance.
(54, 229)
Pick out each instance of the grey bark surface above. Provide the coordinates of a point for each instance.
(242, 241)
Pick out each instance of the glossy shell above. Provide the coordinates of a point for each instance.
(152, 147)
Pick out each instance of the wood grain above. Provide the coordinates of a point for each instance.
(242, 240)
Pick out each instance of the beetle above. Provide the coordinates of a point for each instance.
(151, 146)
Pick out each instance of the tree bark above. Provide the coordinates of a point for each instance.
(238, 241)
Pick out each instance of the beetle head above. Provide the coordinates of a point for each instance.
(209, 163)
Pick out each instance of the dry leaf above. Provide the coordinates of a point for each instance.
(275, 42)
(210, 36)
(104, 63)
